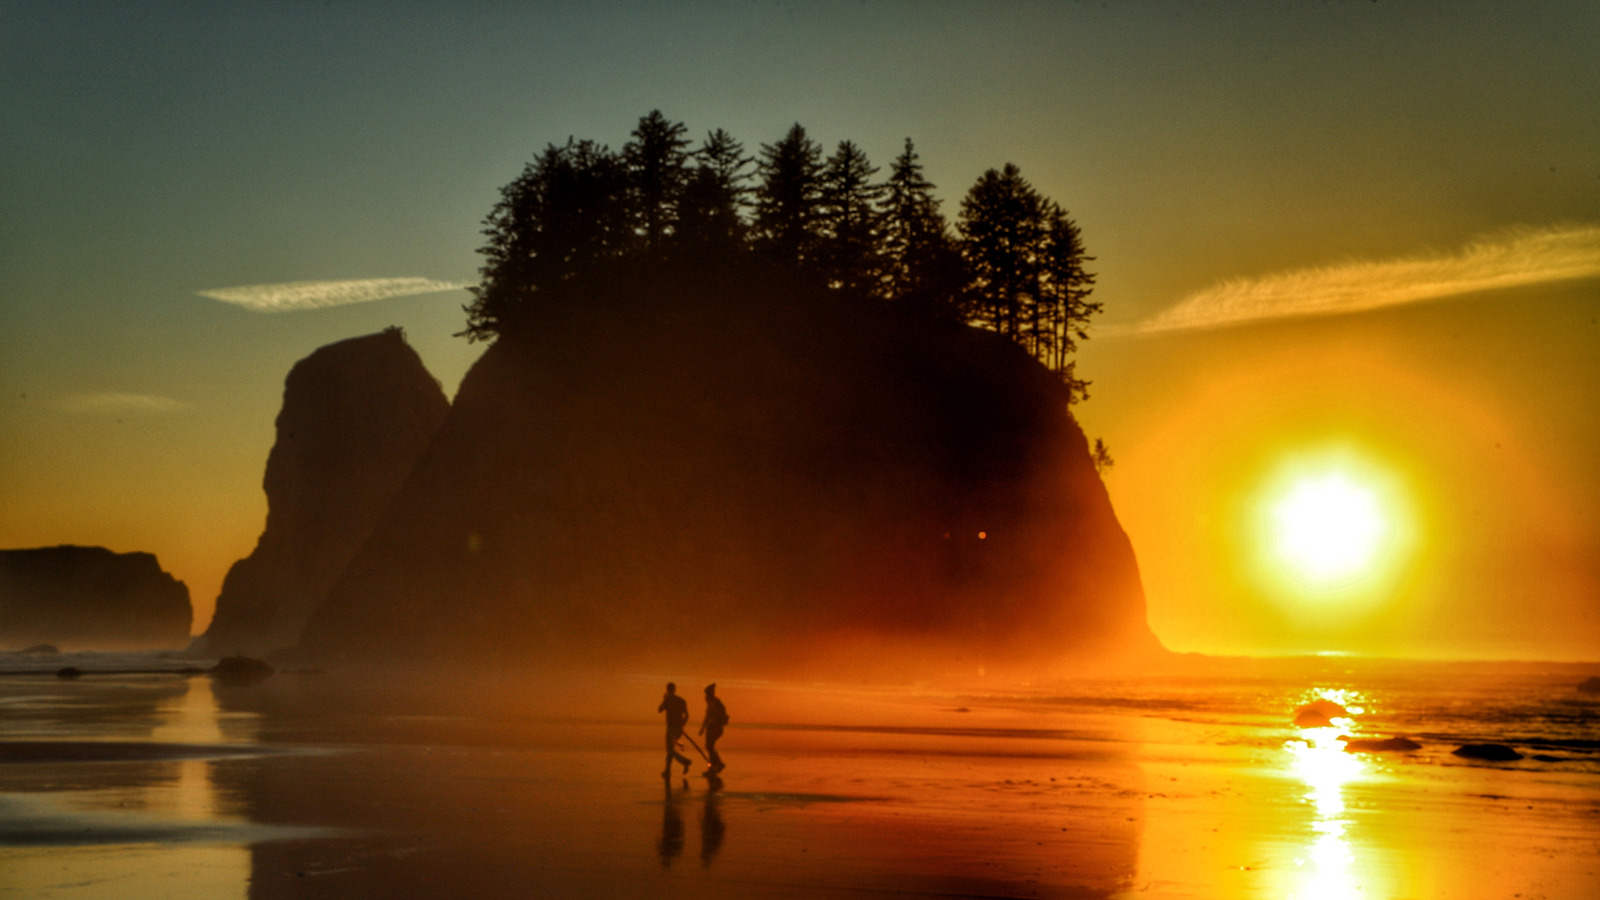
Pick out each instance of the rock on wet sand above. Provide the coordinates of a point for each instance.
(1378, 745)
(1319, 713)
(1491, 752)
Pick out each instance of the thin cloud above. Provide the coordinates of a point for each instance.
(297, 295)
(1509, 259)
(122, 404)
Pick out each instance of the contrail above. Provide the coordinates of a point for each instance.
(1514, 258)
(122, 404)
(295, 295)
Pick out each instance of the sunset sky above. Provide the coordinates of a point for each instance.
(1345, 244)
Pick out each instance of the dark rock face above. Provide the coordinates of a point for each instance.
(721, 478)
(356, 416)
(1590, 685)
(90, 598)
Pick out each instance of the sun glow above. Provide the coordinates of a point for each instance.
(1333, 526)
(1328, 527)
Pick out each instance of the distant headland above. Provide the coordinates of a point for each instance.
(84, 598)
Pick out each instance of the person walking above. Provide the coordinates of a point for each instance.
(716, 719)
(677, 717)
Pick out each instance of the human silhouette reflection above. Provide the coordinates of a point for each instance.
(711, 827)
(670, 846)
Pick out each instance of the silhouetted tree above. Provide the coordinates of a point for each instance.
(847, 216)
(1001, 224)
(788, 196)
(564, 214)
(710, 210)
(657, 166)
(577, 210)
(1101, 456)
(1026, 280)
(920, 264)
(1062, 308)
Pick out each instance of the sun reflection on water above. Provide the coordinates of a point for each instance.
(213, 871)
(1327, 870)
(194, 719)
(158, 830)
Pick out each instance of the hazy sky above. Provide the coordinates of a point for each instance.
(1353, 231)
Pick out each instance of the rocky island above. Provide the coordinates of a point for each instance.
(789, 427)
(750, 483)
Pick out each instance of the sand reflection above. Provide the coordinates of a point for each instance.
(711, 827)
(192, 719)
(195, 718)
(673, 832)
(670, 847)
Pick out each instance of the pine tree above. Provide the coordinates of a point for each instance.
(1101, 455)
(577, 209)
(1064, 291)
(657, 166)
(787, 198)
(565, 213)
(1001, 224)
(710, 215)
(921, 266)
(847, 216)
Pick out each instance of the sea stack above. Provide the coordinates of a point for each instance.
(730, 474)
(89, 598)
(356, 416)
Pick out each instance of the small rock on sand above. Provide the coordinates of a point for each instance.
(1378, 745)
(240, 670)
(1491, 752)
(1319, 714)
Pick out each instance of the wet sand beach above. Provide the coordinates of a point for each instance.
(310, 786)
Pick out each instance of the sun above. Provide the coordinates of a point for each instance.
(1334, 525)
(1328, 528)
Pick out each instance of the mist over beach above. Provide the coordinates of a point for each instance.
(810, 450)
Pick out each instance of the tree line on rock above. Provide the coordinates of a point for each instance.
(1013, 263)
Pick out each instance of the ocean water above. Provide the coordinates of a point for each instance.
(95, 661)
(1536, 709)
